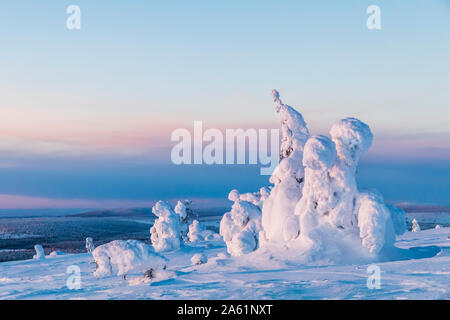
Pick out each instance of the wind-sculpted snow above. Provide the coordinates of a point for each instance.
(278, 219)
(122, 257)
(165, 233)
(241, 226)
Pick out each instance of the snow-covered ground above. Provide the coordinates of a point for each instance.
(245, 277)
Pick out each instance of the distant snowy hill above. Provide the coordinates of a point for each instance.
(144, 212)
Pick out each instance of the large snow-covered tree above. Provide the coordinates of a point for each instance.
(278, 218)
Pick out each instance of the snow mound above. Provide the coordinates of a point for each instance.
(278, 219)
(56, 253)
(199, 258)
(318, 197)
(165, 233)
(121, 257)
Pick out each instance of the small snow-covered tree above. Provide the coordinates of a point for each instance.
(241, 226)
(278, 218)
(415, 226)
(195, 232)
(89, 244)
(165, 233)
(375, 224)
(40, 255)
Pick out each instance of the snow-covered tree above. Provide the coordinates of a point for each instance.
(121, 257)
(241, 226)
(326, 220)
(40, 255)
(181, 210)
(56, 253)
(318, 197)
(352, 138)
(187, 216)
(89, 244)
(415, 226)
(315, 195)
(165, 233)
(278, 218)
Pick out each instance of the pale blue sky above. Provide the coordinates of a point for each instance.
(70, 93)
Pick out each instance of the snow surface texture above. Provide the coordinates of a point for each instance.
(165, 233)
(278, 219)
(40, 255)
(423, 273)
(121, 257)
(241, 226)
